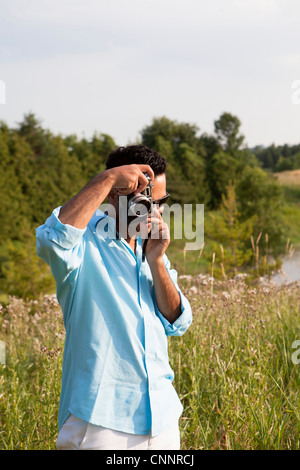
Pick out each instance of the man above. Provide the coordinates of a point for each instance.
(118, 310)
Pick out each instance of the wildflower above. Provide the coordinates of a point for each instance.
(193, 290)
(226, 295)
(188, 277)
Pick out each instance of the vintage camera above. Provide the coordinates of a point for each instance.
(140, 205)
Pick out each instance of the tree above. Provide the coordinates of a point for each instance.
(284, 163)
(172, 131)
(30, 128)
(22, 273)
(13, 207)
(185, 153)
(100, 147)
(259, 194)
(227, 129)
(224, 167)
(230, 236)
(224, 157)
(40, 172)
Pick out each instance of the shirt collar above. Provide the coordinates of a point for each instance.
(107, 228)
(104, 225)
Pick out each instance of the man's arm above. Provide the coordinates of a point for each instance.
(167, 297)
(79, 210)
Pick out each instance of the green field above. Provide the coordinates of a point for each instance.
(234, 368)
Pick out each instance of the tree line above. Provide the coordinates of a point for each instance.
(278, 158)
(41, 170)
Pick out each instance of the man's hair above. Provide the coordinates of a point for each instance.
(139, 155)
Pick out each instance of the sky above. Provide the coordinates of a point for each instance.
(111, 66)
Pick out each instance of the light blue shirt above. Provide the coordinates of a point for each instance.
(116, 370)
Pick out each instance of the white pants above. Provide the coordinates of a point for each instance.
(80, 435)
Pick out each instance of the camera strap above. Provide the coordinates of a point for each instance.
(144, 247)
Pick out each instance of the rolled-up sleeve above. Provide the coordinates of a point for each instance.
(59, 245)
(179, 327)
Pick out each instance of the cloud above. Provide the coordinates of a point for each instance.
(113, 65)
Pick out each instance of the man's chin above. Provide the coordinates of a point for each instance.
(142, 229)
(145, 228)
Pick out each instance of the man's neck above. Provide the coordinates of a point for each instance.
(131, 242)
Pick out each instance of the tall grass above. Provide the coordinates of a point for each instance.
(235, 373)
(30, 380)
(233, 368)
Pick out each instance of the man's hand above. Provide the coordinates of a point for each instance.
(131, 178)
(159, 238)
(79, 210)
(166, 294)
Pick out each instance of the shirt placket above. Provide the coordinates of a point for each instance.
(150, 354)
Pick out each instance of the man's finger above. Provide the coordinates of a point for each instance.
(147, 169)
(142, 182)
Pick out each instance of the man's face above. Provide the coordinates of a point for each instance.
(158, 192)
(159, 188)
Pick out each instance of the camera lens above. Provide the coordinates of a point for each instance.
(139, 206)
